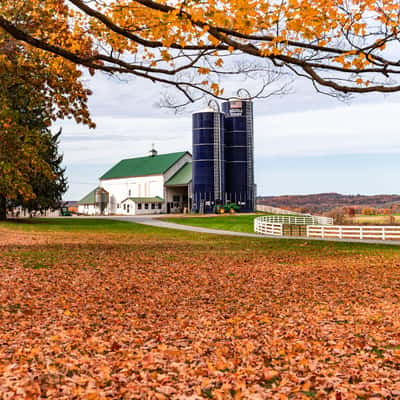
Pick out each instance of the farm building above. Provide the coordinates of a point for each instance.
(146, 185)
(221, 171)
(223, 156)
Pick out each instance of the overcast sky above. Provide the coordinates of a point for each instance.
(304, 142)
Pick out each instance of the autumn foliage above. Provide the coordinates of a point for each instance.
(36, 88)
(345, 46)
(174, 316)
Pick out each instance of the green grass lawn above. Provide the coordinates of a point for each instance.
(238, 223)
(226, 244)
(74, 224)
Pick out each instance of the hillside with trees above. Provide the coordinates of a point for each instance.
(324, 202)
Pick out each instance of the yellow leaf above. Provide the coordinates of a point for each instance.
(269, 374)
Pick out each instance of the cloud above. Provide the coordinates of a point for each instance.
(305, 124)
(362, 128)
(118, 138)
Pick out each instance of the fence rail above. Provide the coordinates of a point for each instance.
(268, 228)
(295, 225)
(281, 211)
(296, 219)
(354, 232)
(276, 210)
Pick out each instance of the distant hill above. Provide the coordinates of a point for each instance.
(323, 202)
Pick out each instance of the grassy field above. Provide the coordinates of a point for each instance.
(238, 223)
(96, 309)
(68, 224)
(244, 223)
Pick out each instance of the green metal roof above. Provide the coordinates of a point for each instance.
(156, 199)
(143, 166)
(182, 177)
(90, 198)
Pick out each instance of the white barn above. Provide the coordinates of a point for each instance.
(146, 185)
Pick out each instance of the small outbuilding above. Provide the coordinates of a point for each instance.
(142, 205)
(94, 203)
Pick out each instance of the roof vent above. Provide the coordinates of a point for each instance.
(153, 152)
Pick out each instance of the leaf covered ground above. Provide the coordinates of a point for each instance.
(128, 312)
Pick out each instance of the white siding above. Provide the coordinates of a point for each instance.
(139, 186)
(127, 208)
(134, 208)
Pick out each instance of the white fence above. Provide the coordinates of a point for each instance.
(295, 219)
(354, 232)
(268, 228)
(318, 227)
(276, 210)
(315, 219)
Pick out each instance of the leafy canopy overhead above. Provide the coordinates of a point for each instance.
(47, 81)
(345, 46)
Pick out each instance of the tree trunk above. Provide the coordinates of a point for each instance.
(3, 208)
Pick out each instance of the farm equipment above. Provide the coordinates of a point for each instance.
(64, 212)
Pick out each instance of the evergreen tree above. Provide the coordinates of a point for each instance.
(20, 156)
(48, 189)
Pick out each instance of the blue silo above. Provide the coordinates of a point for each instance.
(239, 153)
(208, 181)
